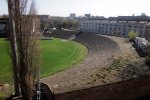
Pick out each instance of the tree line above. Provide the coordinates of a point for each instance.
(60, 23)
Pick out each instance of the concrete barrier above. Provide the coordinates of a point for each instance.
(127, 90)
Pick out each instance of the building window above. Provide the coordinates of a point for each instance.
(106, 28)
(124, 29)
(129, 30)
(123, 34)
(99, 29)
(3, 22)
(1, 30)
(140, 31)
(146, 31)
(134, 30)
(110, 28)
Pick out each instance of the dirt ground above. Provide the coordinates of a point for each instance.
(100, 66)
(126, 47)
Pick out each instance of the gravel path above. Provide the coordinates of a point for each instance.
(101, 51)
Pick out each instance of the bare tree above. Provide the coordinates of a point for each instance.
(24, 43)
(14, 53)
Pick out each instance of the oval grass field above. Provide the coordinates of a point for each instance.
(57, 55)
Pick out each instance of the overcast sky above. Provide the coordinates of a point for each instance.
(94, 7)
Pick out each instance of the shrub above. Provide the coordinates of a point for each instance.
(148, 60)
(132, 35)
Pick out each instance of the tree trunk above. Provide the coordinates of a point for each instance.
(14, 55)
(24, 37)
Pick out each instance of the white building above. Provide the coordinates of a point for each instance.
(3, 27)
(118, 26)
(87, 15)
(72, 15)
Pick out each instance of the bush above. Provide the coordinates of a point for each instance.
(148, 60)
(132, 35)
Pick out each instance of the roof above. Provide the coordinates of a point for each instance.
(130, 18)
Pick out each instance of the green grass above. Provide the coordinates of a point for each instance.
(5, 63)
(57, 55)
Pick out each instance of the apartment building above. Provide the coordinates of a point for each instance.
(117, 26)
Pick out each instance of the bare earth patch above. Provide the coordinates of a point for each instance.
(5, 90)
(110, 59)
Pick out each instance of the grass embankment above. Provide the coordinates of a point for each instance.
(57, 55)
